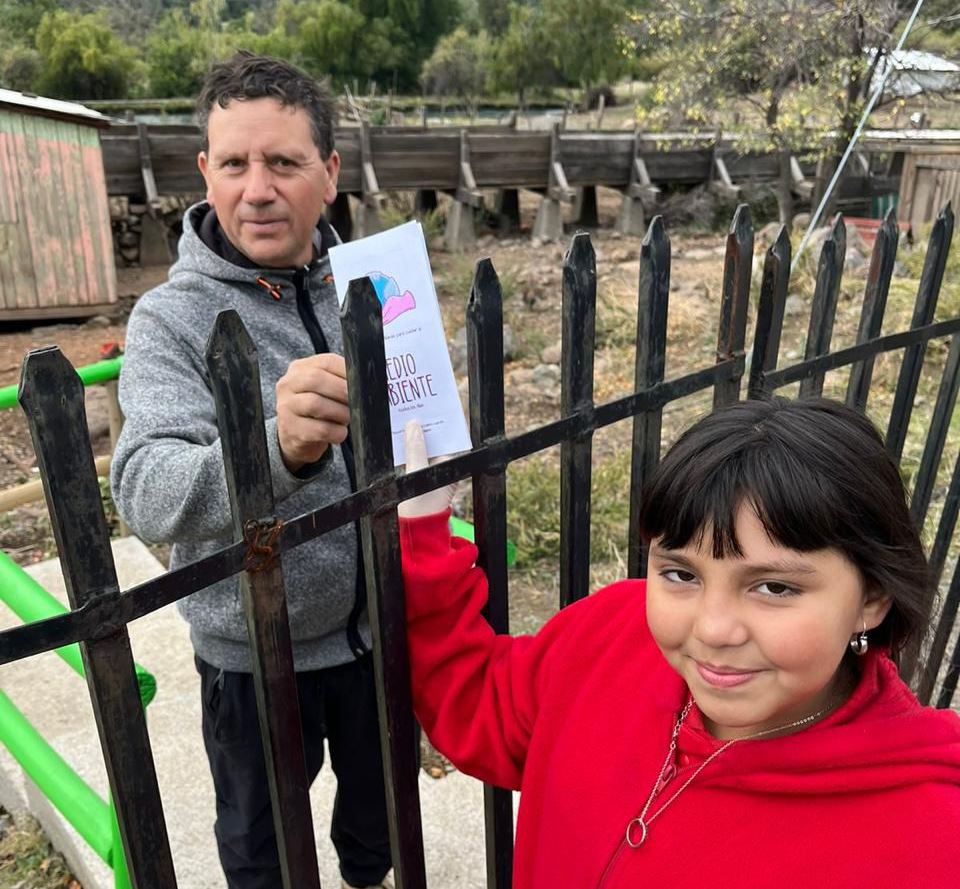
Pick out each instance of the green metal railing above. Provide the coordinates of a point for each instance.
(82, 807)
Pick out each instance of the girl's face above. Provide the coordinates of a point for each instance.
(758, 639)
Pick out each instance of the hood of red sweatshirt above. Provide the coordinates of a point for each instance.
(881, 738)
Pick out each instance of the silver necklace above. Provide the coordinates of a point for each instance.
(642, 823)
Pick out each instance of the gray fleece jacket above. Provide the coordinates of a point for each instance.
(168, 474)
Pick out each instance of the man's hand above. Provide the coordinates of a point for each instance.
(312, 410)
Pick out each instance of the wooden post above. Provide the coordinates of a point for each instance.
(549, 223)
(460, 232)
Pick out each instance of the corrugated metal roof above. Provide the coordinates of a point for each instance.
(53, 108)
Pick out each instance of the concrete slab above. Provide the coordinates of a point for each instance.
(54, 699)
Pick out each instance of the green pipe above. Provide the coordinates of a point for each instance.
(31, 602)
(118, 858)
(91, 375)
(82, 808)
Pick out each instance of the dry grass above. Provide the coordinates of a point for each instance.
(27, 860)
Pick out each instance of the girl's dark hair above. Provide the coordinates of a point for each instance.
(818, 475)
(247, 76)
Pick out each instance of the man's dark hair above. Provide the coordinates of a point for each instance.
(818, 476)
(248, 76)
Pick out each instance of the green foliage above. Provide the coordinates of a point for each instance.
(796, 72)
(458, 66)
(82, 58)
(21, 69)
(19, 20)
(177, 55)
(588, 42)
(512, 66)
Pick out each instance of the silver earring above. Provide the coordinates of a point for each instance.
(859, 642)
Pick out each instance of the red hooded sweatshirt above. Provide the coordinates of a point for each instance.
(579, 718)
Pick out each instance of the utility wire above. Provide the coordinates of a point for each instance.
(853, 141)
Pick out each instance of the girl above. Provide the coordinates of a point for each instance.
(737, 720)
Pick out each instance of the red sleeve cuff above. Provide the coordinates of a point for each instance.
(424, 537)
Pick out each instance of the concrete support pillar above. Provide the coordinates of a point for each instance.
(631, 220)
(549, 223)
(459, 233)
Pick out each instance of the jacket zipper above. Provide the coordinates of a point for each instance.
(669, 775)
(319, 341)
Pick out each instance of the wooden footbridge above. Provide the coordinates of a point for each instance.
(144, 162)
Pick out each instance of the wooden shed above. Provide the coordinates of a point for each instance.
(928, 163)
(56, 247)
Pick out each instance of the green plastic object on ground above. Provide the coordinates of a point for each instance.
(91, 816)
(460, 528)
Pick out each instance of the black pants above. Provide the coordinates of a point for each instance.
(338, 704)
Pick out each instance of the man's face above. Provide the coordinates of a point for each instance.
(266, 180)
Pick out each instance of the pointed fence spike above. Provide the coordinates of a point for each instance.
(372, 448)
(770, 310)
(649, 370)
(52, 397)
(484, 330)
(576, 397)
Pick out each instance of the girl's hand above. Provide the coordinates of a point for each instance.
(432, 502)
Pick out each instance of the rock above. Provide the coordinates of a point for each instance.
(458, 351)
(767, 236)
(546, 376)
(855, 261)
(900, 270)
(551, 354)
(509, 349)
(855, 242)
(99, 321)
(794, 305)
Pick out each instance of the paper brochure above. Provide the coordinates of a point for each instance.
(420, 381)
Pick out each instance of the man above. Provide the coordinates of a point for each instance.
(258, 244)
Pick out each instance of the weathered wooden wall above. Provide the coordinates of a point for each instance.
(928, 182)
(56, 249)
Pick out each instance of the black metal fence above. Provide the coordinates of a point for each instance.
(52, 396)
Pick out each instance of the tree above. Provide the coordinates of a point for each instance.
(82, 58)
(177, 56)
(513, 64)
(786, 73)
(587, 42)
(21, 69)
(458, 66)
